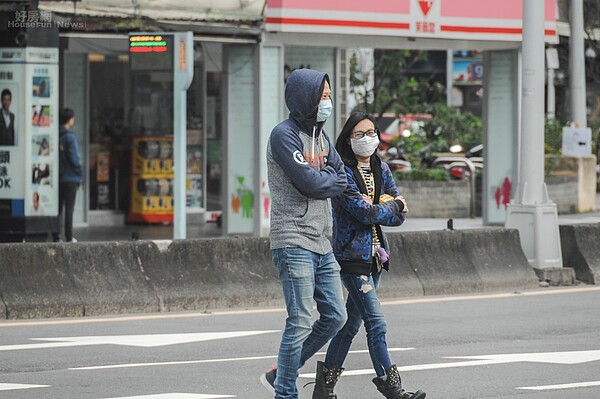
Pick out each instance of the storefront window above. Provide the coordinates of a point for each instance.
(108, 132)
(195, 156)
(214, 128)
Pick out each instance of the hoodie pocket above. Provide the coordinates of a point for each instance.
(311, 223)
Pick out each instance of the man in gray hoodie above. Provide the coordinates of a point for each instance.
(304, 171)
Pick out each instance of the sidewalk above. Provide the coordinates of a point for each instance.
(211, 230)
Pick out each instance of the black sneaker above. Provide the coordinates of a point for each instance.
(268, 379)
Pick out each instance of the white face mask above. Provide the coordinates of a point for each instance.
(364, 147)
(325, 107)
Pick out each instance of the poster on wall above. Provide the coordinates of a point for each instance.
(501, 138)
(194, 181)
(467, 68)
(240, 175)
(41, 132)
(11, 132)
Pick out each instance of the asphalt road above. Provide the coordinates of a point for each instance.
(540, 344)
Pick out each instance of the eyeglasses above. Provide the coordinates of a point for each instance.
(360, 134)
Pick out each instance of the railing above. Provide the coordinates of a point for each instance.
(449, 162)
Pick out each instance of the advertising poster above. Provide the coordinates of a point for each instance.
(41, 132)
(500, 172)
(12, 132)
(467, 68)
(194, 182)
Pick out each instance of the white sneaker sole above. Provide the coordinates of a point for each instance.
(265, 383)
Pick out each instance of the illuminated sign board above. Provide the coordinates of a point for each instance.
(151, 52)
(147, 44)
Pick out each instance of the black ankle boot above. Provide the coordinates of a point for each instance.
(391, 387)
(325, 381)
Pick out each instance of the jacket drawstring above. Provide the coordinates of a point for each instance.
(312, 148)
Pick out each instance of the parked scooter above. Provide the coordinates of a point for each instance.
(459, 163)
(394, 155)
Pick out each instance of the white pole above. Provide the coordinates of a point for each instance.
(577, 65)
(531, 172)
(183, 73)
(449, 76)
(531, 212)
(179, 152)
(551, 95)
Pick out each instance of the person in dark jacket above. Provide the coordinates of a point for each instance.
(369, 201)
(71, 172)
(304, 170)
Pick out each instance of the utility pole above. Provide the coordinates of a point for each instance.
(531, 212)
(577, 65)
(552, 64)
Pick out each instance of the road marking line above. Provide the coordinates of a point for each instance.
(176, 395)
(566, 357)
(572, 357)
(418, 367)
(10, 387)
(502, 295)
(563, 386)
(411, 301)
(183, 362)
(146, 340)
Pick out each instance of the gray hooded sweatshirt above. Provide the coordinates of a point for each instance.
(304, 169)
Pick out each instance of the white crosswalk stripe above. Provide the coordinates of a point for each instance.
(176, 396)
(10, 387)
(563, 386)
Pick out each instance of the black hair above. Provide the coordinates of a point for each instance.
(6, 92)
(65, 115)
(321, 88)
(342, 145)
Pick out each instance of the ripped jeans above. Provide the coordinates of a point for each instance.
(362, 305)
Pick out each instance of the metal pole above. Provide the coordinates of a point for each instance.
(532, 212)
(179, 166)
(577, 65)
(183, 72)
(531, 173)
(551, 95)
(449, 76)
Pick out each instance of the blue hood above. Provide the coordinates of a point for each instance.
(302, 96)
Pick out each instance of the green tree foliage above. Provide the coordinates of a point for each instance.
(394, 89)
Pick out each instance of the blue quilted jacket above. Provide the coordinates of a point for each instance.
(353, 217)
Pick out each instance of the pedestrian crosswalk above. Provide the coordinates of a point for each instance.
(10, 387)
(176, 396)
(172, 395)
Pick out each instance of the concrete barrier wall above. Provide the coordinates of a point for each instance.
(437, 199)
(53, 279)
(213, 273)
(580, 245)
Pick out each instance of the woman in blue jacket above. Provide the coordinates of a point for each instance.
(369, 201)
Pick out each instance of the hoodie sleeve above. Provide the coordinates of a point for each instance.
(328, 182)
(387, 214)
(73, 154)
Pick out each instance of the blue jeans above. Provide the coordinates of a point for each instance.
(305, 276)
(362, 305)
